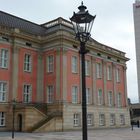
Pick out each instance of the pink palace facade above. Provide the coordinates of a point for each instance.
(40, 69)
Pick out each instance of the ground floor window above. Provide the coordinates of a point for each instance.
(2, 119)
(76, 119)
(101, 119)
(89, 119)
(122, 119)
(112, 119)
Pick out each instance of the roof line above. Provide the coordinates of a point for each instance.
(21, 18)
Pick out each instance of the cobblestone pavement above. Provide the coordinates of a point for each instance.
(102, 134)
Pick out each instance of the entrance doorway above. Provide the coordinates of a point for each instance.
(19, 122)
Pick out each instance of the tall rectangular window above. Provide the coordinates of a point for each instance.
(89, 119)
(75, 94)
(3, 91)
(50, 94)
(118, 75)
(74, 64)
(50, 63)
(101, 119)
(27, 95)
(100, 97)
(87, 67)
(27, 63)
(88, 96)
(76, 119)
(109, 72)
(2, 119)
(112, 119)
(3, 58)
(122, 119)
(119, 99)
(110, 98)
(98, 70)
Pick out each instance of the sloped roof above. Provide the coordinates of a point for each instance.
(12, 21)
(16, 22)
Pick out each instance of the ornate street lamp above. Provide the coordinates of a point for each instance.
(82, 22)
(13, 123)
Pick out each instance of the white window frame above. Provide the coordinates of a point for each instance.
(4, 58)
(74, 64)
(119, 99)
(27, 62)
(98, 70)
(110, 98)
(27, 93)
(122, 119)
(112, 119)
(76, 119)
(3, 91)
(109, 72)
(50, 63)
(50, 94)
(74, 94)
(100, 97)
(89, 119)
(101, 119)
(2, 118)
(87, 67)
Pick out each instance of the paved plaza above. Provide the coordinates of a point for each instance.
(103, 134)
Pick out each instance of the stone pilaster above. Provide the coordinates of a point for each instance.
(58, 76)
(80, 76)
(114, 84)
(91, 76)
(125, 85)
(15, 62)
(40, 73)
(94, 81)
(64, 67)
(104, 80)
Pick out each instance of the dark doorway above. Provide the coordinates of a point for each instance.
(19, 122)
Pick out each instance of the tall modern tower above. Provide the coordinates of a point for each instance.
(136, 11)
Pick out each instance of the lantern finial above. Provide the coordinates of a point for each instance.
(82, 7)
(82, 22)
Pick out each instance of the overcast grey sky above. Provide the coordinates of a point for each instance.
(113, 25)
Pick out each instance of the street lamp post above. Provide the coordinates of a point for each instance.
(13, 120)
(82, 22)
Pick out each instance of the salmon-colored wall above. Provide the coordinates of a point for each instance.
(120, 86)
(73, 79)
(110, 83)
(100, 81)
(89, 78)
(5, 74)
(49, 77)
(27, 77)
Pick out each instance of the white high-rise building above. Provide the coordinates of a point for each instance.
(136, 11)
